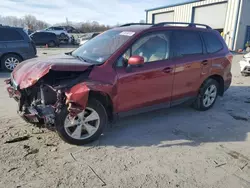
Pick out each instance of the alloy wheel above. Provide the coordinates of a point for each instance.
(11, 62)
(209, 95)
(82, 126)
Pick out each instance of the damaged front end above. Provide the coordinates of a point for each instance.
(41, 102)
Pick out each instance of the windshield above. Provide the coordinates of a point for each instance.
(100, 48)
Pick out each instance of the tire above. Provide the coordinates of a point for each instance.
(63, 36)
(204, 93)
(67, 129)
(51, 43)
(10, 61)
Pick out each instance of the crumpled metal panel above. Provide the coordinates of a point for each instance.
(29, 72)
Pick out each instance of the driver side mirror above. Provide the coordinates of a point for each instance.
(136, 60)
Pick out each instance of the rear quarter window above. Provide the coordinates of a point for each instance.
(212, 42)
(10, 34)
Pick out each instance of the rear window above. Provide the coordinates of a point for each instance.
(10, 34)
(212, 42)
(187, 43)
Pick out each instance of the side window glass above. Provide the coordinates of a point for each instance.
(212, 42)
(153, 47)
(123, 60)
(187, 43)
(2, 34)
(41, 35)
(8, 34)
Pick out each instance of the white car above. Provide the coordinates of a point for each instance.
(86, 37)
(245, 65)
(59, 31)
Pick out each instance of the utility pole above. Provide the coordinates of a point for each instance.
(67, 21)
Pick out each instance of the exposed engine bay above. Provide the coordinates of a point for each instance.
(42, 101)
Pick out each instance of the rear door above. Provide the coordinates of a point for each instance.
(150, 84)
(189, 57)
(216, 57)
(34, 37)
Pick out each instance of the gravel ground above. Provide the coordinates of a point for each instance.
(177, 147)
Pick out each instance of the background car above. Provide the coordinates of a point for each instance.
(86, 37)
(59, 31)
(43, 38)
(15, 46)
(245, 65)
(70, 29)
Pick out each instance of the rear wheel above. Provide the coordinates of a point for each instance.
(84, 128)
(207, 95)
(10, 61)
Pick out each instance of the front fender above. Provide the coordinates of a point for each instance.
(78, 95)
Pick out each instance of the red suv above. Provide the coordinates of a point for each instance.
(126, 70)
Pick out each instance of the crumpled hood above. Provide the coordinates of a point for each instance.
(30, 71)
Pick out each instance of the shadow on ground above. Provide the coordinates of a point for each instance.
(227, 121)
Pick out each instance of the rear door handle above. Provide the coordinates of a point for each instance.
(204, 62)
(167, 69)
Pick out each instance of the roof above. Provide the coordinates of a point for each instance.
(133, 28)
(173, 5)
(6, 26)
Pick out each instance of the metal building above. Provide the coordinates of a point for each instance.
(230, 17)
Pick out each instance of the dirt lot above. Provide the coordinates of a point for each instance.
(177, 147)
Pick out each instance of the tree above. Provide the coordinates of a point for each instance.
(30, 21)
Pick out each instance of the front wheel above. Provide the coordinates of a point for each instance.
(84, 128)
(10, 61)
(207, 95)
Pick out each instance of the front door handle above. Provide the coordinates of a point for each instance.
(204, 62)
(167, 69)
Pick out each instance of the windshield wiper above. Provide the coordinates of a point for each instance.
(82, 59)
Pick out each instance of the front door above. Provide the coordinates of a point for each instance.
(151, 84)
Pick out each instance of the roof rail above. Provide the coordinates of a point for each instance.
(129, 24)
(181, 23)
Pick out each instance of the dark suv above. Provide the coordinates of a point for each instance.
(43, 38)
(125, 70)
(15, 46)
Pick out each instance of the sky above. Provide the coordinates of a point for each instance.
(107, 12)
